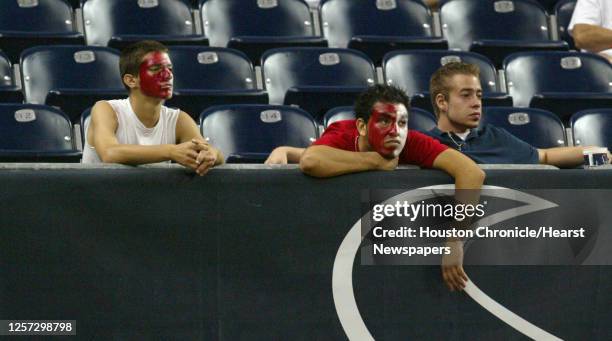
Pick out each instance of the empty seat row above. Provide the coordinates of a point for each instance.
(248, 133)
(315, 79)
(491, 27)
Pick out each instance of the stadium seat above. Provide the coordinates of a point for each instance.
(254, 26)
(117, 23)
(377, 27)
(548, 5)
(418, 119)
(8, 89)
(248, 133)
(84, 123)
(316, 79)
(497, 28)
(563, 11)
(70, 77)
(338, 114)
(411, 71)
(25, 24)
(540, 128)
(592, 128)
(207, 76)
(35, 133)
(561, 82)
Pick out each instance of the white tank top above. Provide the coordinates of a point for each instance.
(131, 131)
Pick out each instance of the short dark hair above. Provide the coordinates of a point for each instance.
(131, 56)
(379, 93)
(439, 80)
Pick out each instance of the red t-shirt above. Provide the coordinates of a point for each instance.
(420, 149)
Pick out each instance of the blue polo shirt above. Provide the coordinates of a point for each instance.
(490, 144)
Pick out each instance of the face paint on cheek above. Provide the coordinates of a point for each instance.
(156, 84)
(378, 134)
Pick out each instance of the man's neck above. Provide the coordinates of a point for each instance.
(146, 108)
(448, 127)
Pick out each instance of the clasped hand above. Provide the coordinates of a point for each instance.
(195, 154)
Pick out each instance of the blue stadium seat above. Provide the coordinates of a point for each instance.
(497, 28)
(540, 128)
(336, 114)
(561, 82)
(117, 23)
(84, 123)
(70, 77)
(377, 27)
(548, 5)
(35, 133)
(25, 24)
(418, 119)
(248, 133)
(256, 26)
(411, 71)
(316, 79)
(8, 89)
(563, 11)
(592, 127)
(207, 76)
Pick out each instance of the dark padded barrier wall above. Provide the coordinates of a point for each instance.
(247, 254)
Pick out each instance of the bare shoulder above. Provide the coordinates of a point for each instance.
(103, 118)
(102, 110)
(186, 128)
(184, 117)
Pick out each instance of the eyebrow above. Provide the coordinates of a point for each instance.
(161, 64)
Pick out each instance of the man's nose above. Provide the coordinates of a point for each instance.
(166, 73)
(393, 130)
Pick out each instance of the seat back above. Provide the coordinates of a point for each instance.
(465, 21)
(563, 11)
(107, 18)
(338, 114)
(225, 19)
(34, 128)
(211, 68)
(548, 4)
(540, 128)
(344, 19)
(238, 129)
(87, 68)
(7, 82)
(533, 73)
(84, 124)
(314, 67)
(46, 16)
(412, 70)
(592, 128)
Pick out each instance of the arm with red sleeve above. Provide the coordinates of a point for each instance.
(428, 152)
(335, 153)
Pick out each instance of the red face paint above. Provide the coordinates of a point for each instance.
(388, 129)
(156, 75)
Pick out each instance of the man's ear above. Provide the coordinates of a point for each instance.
(130, 81)
(362, 127)
(441, 103)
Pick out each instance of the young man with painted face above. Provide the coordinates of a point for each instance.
(140, 129)
(457, 100)
(379, 139)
